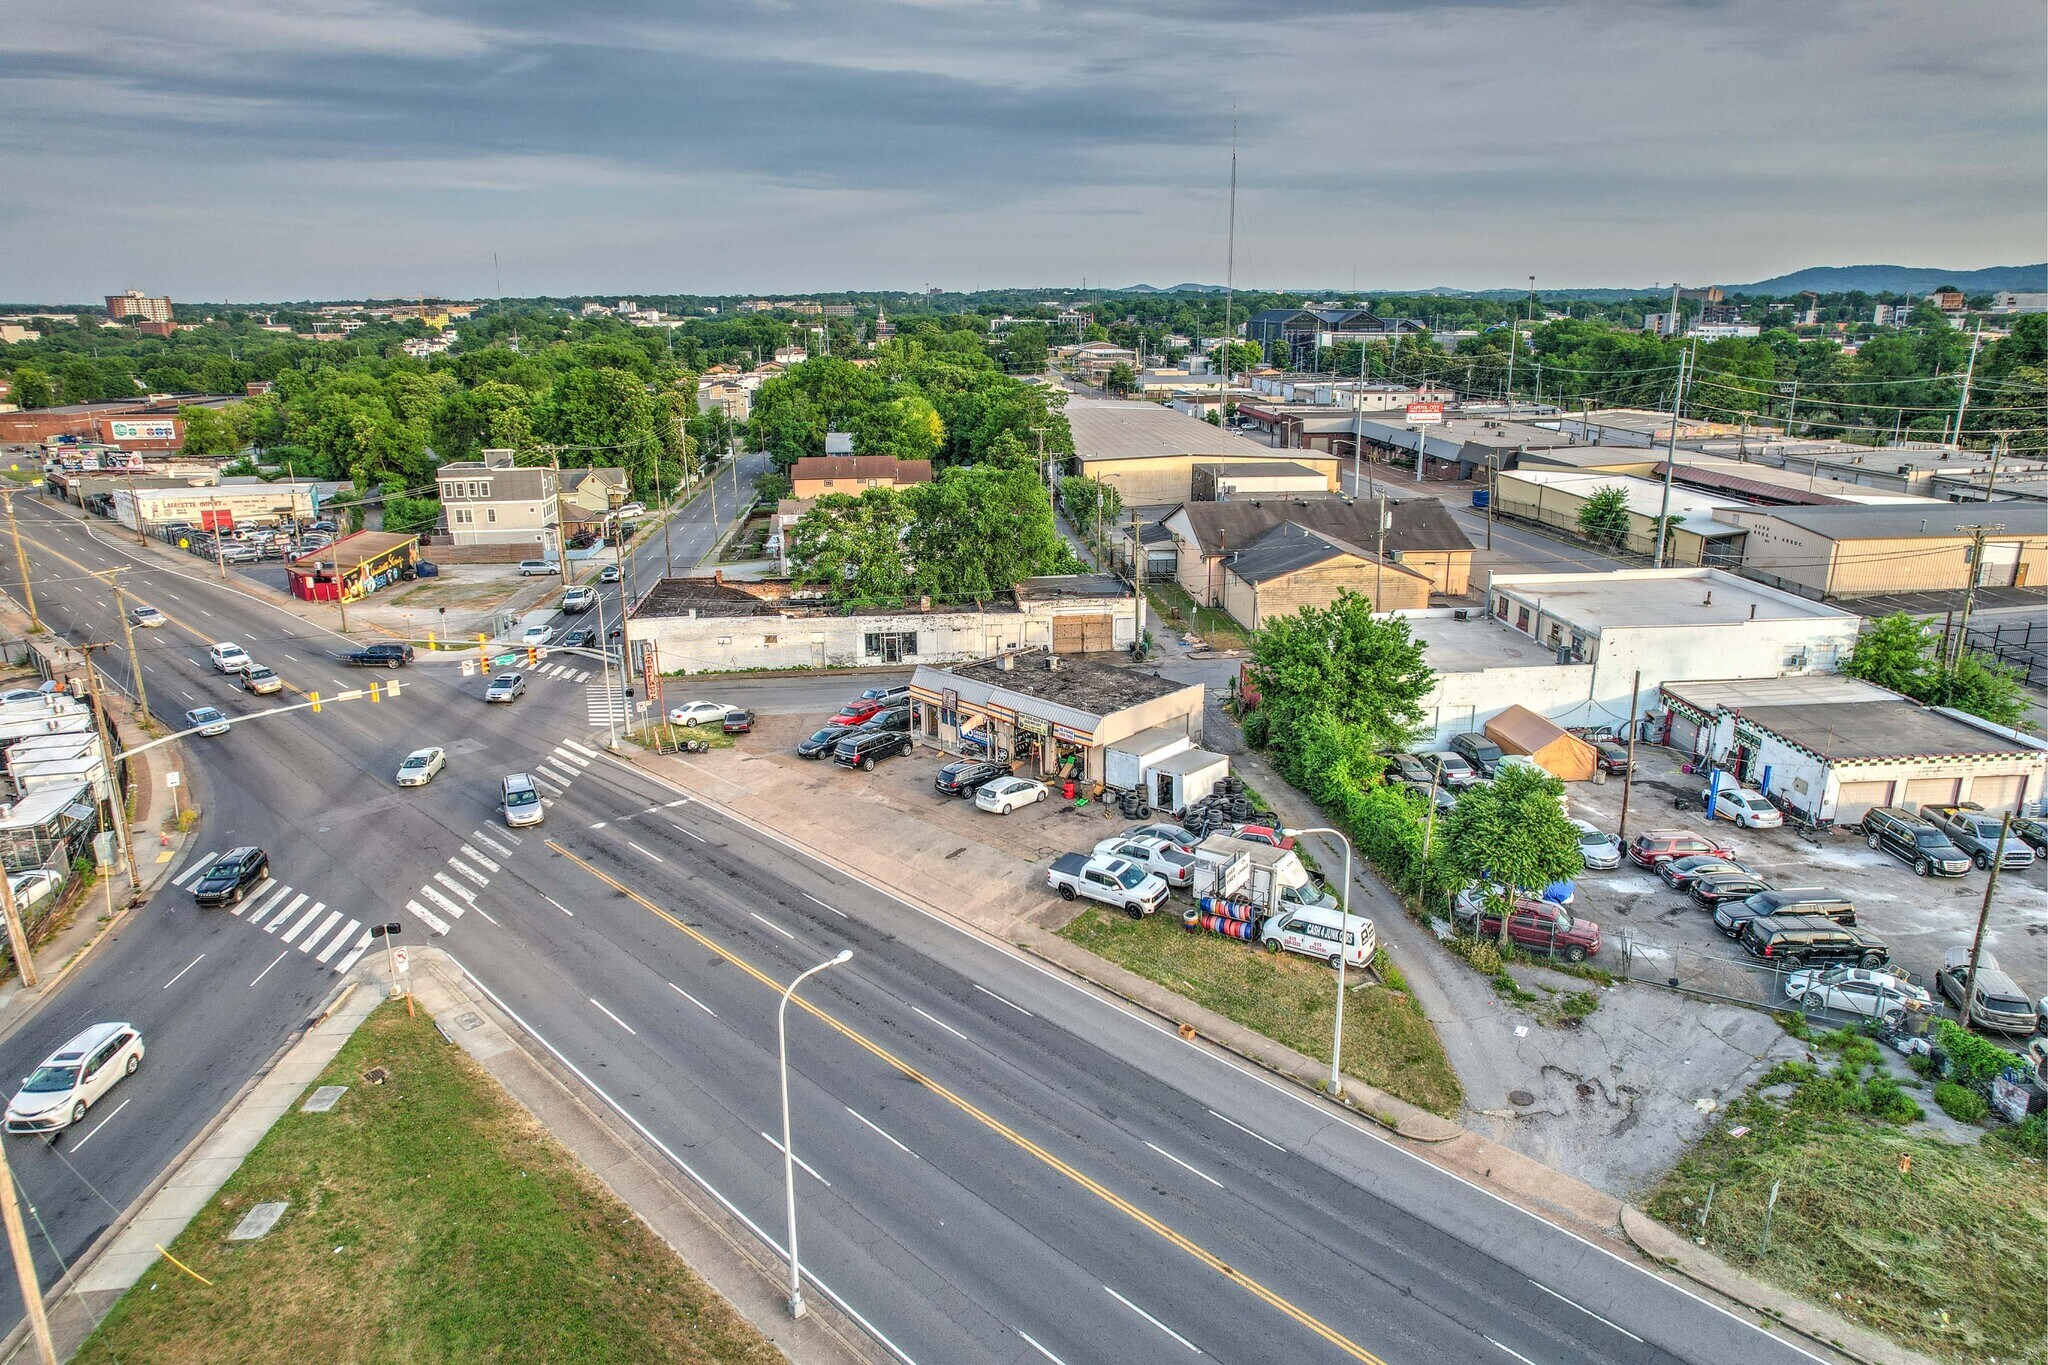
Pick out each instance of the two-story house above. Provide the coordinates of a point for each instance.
(814, 476)
(493, 502)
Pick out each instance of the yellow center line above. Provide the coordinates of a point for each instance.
(1001, 1129)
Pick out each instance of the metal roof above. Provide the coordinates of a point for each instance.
(1933, 520)
(1893, 728)
(1108, 429)
(1287, 549)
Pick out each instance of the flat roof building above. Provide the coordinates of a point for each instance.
(1148, 453)
(1862, 551)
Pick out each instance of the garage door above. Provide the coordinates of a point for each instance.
(1858, 797)
(1999, 793)
(1083, 634)
(1933, 791)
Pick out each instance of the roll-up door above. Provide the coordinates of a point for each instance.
(2001, 793)
(1855, 798)
(1933, 791)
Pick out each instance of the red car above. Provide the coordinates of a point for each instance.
(856, 711)
(1662, 845)
(1263, 834)
(1534, 925)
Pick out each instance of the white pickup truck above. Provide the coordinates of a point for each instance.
(1113, 881)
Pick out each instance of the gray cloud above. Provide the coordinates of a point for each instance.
(340, 147)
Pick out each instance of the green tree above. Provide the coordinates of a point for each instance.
(1981, 687)
(976, 532)
(409, 515)
(209, 431)
(1089, 503)
(1513, 832)
(1894, 651)
(1121, 379)
(1236, 357)
(1345, 662)
(853, 546)
(32, 388)
(1603, 516)
(601, 417)
(492, 415)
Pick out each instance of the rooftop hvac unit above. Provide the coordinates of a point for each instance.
(1461, 614)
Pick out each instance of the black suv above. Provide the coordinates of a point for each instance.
(1793, 900)
(864, 751)
(380, 656)
(1712, 888)
(888, 718)
(1910, 839)
(1481, 752)
(968, 776)
(231, 876)
(1793, 941)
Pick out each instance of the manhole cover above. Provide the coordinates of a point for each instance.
(257, 1222)
(376, 1075)
(323, 1099)
(469, 1019)
(1521, 1097)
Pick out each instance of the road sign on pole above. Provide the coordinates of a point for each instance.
(401, 960)
(172, 779)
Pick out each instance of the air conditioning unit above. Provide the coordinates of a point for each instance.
(1461, 614)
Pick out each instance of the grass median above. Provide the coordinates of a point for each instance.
(1388, 1044)
(430, 1219)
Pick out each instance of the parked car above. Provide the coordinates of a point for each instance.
(228, 657)
(888, 696)
(1005, 794)
(1537, 925)
(387, 655)
(231, 876)
(1794, 941)
(1748, 809)
(2033, 831)
(421, 766)
(1482, 753)
(1598, 850)
(870, 747)
(1179, 836)
(855, 711)
(34, 886)
(1170, 863)
(73, 1078)
(1976, 833)
(1890, 978)
(1260, 834)
(820, 742)
(1713, 888)
(1324, 932)
(149, 618)
(888, 718)
(698, 713)
(1451, 770)
(1678, 873)
(1996, 1003)
(530, 567)
(962, 778)
(737, 721)
(506, 687)
(1868, 995)
(235, 553)
(630, 510)
(1410, 769)
(261, 680)
(1730, 916)
(1904, 835)
(1661, 845)
(209, 720)
(1612, 758)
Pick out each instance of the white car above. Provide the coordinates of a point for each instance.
(421, 766)
(1879, 997)
(506, 687)
(1169, 862)
(530, 567)
(534, 636)
(698, 713)
(57, 1093)
(1598, 850)
(631, 510)
(1748, 809)
(209, 720)
(147, 617)
(1837, 978)
(1005, 794)
(228, 657)
(34, 886)
(261, 680)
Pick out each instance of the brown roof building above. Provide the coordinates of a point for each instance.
(814, 476)
(1419, 536)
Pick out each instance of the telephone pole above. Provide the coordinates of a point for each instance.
(1628, 774)
(99, 712)
(113, 577)
(1983, 914)
(17, 933)
(25, 1265)
(1976, 567)
(21, 560)
(1670, 460)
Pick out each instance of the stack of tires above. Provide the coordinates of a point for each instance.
(1232, 919)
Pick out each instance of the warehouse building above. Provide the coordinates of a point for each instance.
(1861, 551)
(1148, 453)
(222, 507)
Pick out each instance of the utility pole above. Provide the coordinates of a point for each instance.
(25, 1265)
(1963, 399)
(1230, 264)
(1670, 460)
(1976, 567)
(1997, 454)
(21, 560)
(17, 933)
(220, 554)
(1983, 914)
(561, 522)
(99, 712)
(113, 577)
(1628, 774)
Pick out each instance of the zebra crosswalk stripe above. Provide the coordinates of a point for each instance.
(561, 757)
(362, 946)
(299, 927)
(428, 917)
(478, 858)
(313, 939)
(259, 904)
(270, 927)
(347, 932)
(587, 753)
(453, 907)
(204, 861)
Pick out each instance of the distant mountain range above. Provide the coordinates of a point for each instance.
(1821, 279)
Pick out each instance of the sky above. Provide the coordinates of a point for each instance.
(366, 148)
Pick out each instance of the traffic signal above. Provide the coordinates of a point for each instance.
(314, 697)
(532, 656)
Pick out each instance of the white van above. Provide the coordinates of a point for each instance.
(522, 804)
(1321, 931)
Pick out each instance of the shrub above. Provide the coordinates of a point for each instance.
(1961, 1103)
(1256, 725)
(2029, 1138)
(1890, 1103)
(1972, 1060)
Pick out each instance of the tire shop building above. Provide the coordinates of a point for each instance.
(1832, 747)
(1054, 716)
(354, 566)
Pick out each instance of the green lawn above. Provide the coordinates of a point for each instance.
(1387, 1042)
(431, 1220)
(1172, 605)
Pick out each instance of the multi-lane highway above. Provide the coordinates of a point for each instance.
(996, 1165)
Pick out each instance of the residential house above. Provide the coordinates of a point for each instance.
(494, 502)
(815, 476)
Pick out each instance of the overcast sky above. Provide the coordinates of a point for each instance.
(344, 148)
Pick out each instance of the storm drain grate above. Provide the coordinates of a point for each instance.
(376, 1075)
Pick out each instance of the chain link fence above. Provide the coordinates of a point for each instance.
(1741, 980)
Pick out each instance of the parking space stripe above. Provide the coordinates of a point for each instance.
(204, 861)
(300, 927)
(270, 927)
(313, 939)
(428, 917)
(347, 932)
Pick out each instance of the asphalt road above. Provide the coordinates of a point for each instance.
(996, 1165)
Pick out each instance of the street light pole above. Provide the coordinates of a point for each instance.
(1343, 942)
(796, 1287)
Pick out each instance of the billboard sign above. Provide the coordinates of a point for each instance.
(156, 429)
(1424, 412)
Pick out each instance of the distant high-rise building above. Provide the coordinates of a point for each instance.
(136, 306)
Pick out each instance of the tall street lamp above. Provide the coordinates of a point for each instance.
(1343, 943)
(796, 1285)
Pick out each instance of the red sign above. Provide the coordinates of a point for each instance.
(216, 521)
(1425, 412)
(650, 670)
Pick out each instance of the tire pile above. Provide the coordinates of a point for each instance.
(1227, 805)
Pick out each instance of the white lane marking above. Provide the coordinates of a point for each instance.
(347, 931)
(671, 805)
(588, 753)
(147, 669)
(204, 861)
(479, 858)
(313, 939)
(833, 908)
(1248, 1132)
(457, 865)
(101, 1124)
(1040, 1349)
(993, 996)
(186, 968)
(186, 695)
(455, 909)
(558, 905)
(615, 1018)
(266, 971)
(578, 759)
(693, 999)
(270, 925)
(457, 887)
(1588, 1312)
(204, 612)
(600, 824)
(484, 838)
(1184, 1165)
(289, 657)
(644, 853)
(799, 1161)
(946, 1026)
(428, 917)
(1513, 1352)
(300, 926)
(884, 1135)
(485, 913)
(362, 946)
(174, 597)
(680, 830)
(773, 925)
(1154, 1321)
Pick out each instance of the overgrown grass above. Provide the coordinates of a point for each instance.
(1173, 605)
(431, 1219)
(1387, 1041)
(1947, 1253)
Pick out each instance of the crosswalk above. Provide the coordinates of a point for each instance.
(606, 706)
(329, 937)
(566, 672)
